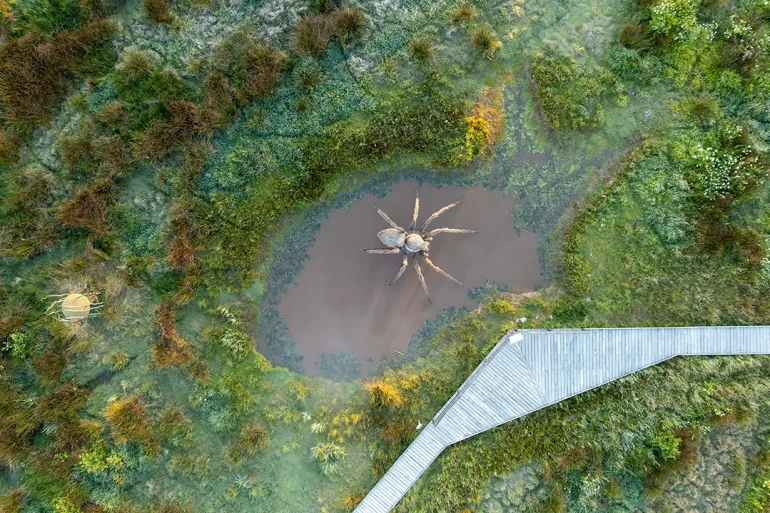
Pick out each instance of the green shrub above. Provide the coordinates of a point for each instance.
(422, 50)
(33, 68)
(568, 95)
(329, 457)
(666, 446)
(46, 16)
(485, 41)
(18, 345)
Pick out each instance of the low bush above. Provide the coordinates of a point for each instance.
(158, 11)
(312, 34)
(463, 15)
(349, 25)
(568, 94)
(129, 421)
(88, 207)
(33, 70)
(485, 41)
(422, 50)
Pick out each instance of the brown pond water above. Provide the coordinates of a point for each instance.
(339, 302)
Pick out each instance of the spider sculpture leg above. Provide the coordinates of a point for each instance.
(422, 279)
(416, 211)
(440, 270)
(438, 213)
(447, 230)
(388, 219)
(401, 270)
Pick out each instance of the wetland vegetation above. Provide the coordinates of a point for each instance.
(178, 157)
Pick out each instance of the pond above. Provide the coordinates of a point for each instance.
(339, 300)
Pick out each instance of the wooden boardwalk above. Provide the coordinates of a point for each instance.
(531, 369)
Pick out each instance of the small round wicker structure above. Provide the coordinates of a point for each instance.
(73, 307)
(413, 242)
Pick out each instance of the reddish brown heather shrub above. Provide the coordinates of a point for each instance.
(12, 317)
(88, 207)
(30, 226)
(114, 155)
(171, 507)
(61, 406)
(351, 500)
(14, 441)
(76, 150)
(49, 365)
(170, 348)
(158, 11)
(181, 252)
(252, 438)
(264, 68)
(128, 420)
(114, 114)
(349, 25)
(312, 33)
(32, 70)
(156, 142)
(219, 95)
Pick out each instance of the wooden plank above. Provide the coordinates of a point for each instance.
(534, 368)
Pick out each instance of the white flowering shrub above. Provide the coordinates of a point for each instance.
(723, 164)
(675, 17)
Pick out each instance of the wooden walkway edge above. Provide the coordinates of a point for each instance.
(531, 369)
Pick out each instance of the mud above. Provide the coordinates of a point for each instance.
(339, 301)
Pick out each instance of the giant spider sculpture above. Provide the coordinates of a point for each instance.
(413, 242)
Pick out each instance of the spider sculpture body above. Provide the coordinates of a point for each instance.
(413, 242)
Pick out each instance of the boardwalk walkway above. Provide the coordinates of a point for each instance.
(531, 369)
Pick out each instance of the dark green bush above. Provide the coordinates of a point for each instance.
(46, 16)
(485, 41)
(422, 49)
(567, 94)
